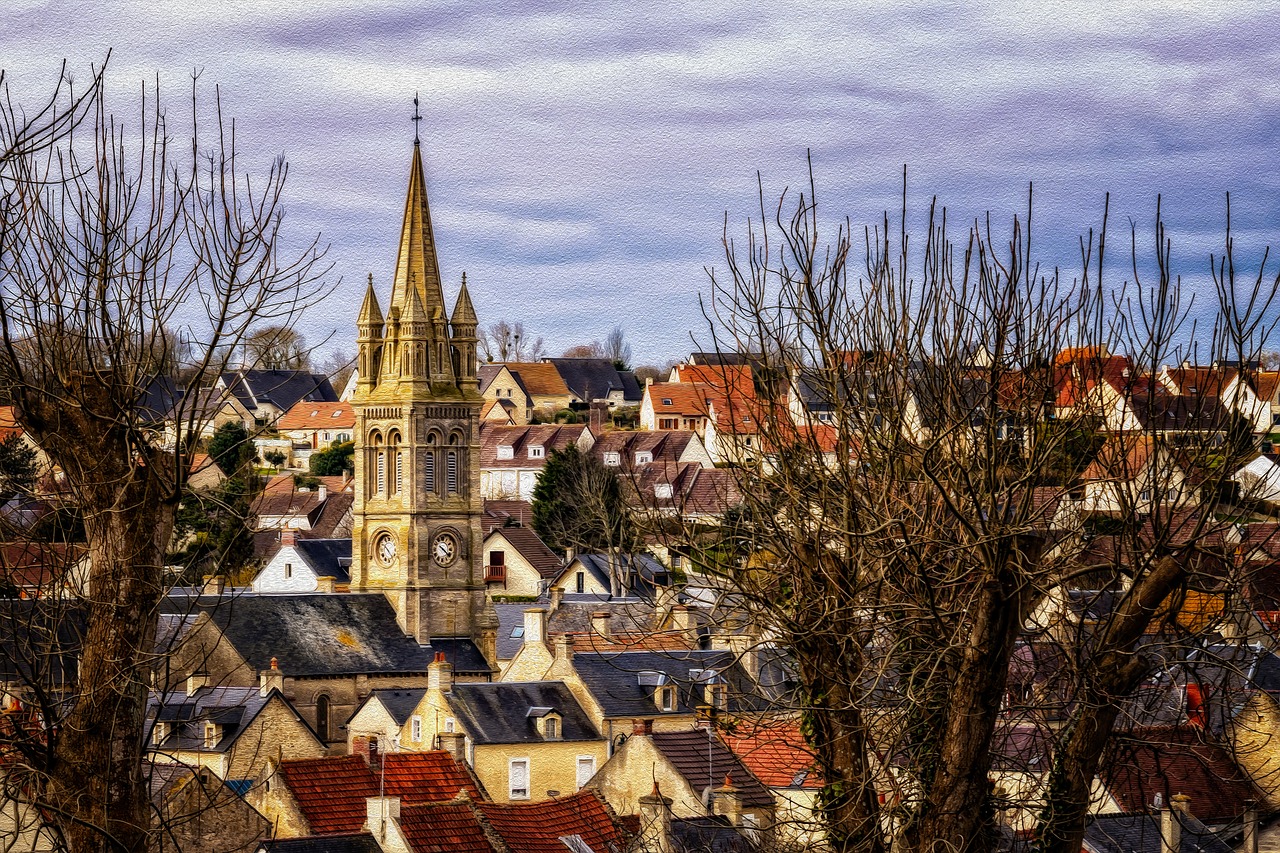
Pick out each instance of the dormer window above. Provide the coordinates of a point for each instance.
(644, 457)
(662, 491)
(212, 734)
(506, 451)
(666, 698)
(666, 401)
(536, 451)
(548, 722)
(612, 458)
(159, 733)
(717, 696)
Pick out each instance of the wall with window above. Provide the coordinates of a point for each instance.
(552, 766)
(286, 572)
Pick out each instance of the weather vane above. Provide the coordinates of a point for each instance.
(416, 118)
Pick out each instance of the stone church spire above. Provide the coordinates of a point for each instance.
(416, 263)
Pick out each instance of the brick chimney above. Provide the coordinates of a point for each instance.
(270, 679)
(557, 598)
(683, 620)
(325, 583)
(655, 822)
(195, 681)
(641, 727)
(600, 622)
(1171, 823)
(535, 625)
(727, 801)
(214, 584)
(288, 537)
(440, 674)
(454, 743)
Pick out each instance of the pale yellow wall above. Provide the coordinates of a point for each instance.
(522, 577)
(553, 766)
(505, 387)
(274, 802)
(372, 720)
(273, 733)
(1255, 738)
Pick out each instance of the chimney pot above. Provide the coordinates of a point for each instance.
(600, 622)
(641, 727)
(535, 625)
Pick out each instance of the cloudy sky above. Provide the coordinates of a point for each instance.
(581, 157)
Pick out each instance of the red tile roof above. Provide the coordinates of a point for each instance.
(687, 399)
(1171, 761)
(776, 753)
(538, 827)
(331, 792)
(305, 415)
(444, 828)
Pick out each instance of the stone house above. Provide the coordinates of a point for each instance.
(503, 389)
(775, 752)
(306, 565)
(693, 768)
(517, 562)
(524, 741)
(603, 578)
(312, 426)
(229, 730)
(330, 650)
(545, 388)
(197, 812)
(511, 458)
(268, 394)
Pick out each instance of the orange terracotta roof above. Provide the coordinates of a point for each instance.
(538, 827)
(423, 777)
(689, 399)
(776, 753)
(630, 641)
(305, 415)
(1266, 384)
(8, 422)
(539, 378)
(1122, 457)
(440, 827)
(1205, 381)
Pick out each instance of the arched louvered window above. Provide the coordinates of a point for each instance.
(451, 472)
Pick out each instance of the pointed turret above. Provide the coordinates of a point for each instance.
(414, 334)
(368, 340)
(464, 324)
(416, 261)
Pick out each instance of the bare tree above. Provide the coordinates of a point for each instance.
(617, 350)
(276, 347)
(338, 367)
(504, 341)
(914, 517)
(117, 248)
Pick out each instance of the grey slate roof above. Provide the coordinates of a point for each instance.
(531, 547)
(593, 378)
(704, 761)
(709, 834)
(614, 680)
(647, 574)
(233, 708)
(398, 703)
(499, 712)
(1140, 833)
(281, 388)
(327, 557)
(318, 634)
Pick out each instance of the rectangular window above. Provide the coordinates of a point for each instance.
(451, 472)
(612, 459)
(448, 724)
(644, 457)
(429, 471)
(536, 451)
(580, 582)
(288, 570)
(210, 735)
(399, 472)
(496, 569)
(518, 779)
(669, 423)
(551, 728)
(382, 473)
(415, 729)
(667, 698)
(586, 769)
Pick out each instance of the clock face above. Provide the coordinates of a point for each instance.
(385, 548)
(446, 549)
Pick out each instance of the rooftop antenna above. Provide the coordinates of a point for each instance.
(416, 118)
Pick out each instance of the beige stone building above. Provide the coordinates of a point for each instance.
(505, 393)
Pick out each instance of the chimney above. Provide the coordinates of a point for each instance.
(682, 620)
(440, 674)
(454, 743)
(600, 622)
(535, 625)
(1250, 844)
(195, 681)
(288, 537)
(648, 380)
(325, 583)
(214, 584)
(655, 822)
(380, 812)
(569, 554)
(561, 658)
(641, 727)
(727, 801)
(270, 679)
(1171, 822)
(557, 598)
(599, 410)
(322, 492)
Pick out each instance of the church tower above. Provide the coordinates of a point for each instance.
(416, 534)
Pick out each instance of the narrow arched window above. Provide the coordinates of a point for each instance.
(429, 465)
(397, 463)
(382, 472)
(451, 472)
(322, 717)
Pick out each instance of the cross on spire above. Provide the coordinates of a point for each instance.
(416, 118)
